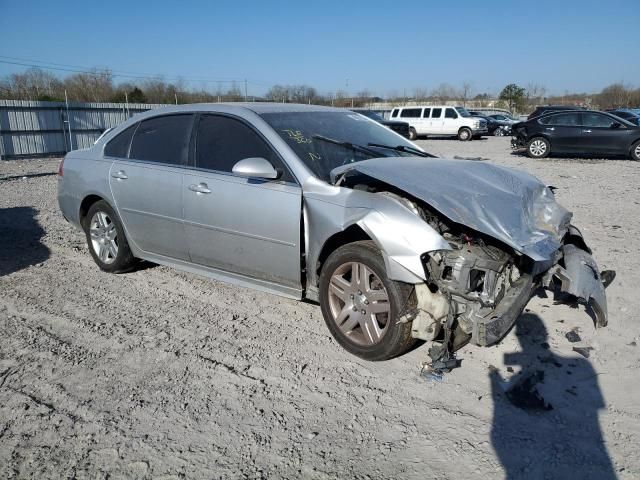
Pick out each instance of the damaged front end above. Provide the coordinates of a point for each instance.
(504, 236)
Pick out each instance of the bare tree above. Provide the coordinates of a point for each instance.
(465, 92)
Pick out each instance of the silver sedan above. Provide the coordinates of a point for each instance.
(326, 204)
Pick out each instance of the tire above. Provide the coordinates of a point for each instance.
(498, 132)
(464, 134)
(635, 151)
(413, 135)
(106, 239)
(538, 147)
(371, 336)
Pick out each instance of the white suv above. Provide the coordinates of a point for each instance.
(440, 120)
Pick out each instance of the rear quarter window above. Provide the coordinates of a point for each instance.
(119, 145)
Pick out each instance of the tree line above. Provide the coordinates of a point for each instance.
(99, 86)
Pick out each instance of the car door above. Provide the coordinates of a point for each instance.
(249, 227)
(426, 121)
(147, 186)
(600, 135)
(563, 131)
(450, 122)
(413, 116)
(436, 121)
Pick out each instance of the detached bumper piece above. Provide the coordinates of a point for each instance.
(581, 278)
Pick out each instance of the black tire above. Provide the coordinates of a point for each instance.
(465, 134)
(413, 135)
(397, 337)
(538, 147)
(635, 151)
(124, 259)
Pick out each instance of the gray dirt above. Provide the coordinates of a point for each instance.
(163, 374)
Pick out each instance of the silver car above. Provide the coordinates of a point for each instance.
(326, 204)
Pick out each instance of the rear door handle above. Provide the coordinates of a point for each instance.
(120, 175)
(199, 188)
(586, 131)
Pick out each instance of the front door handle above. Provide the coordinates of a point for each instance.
(586, 131)
(551, 129)
(120, 175)
(199, 188)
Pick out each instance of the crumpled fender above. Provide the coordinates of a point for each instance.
(403, 238)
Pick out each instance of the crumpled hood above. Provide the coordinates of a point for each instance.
(508, 205)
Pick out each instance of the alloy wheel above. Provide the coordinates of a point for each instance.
(104, 237)
(538, 148)
(359, 303)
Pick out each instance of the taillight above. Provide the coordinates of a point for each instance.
(61, 168)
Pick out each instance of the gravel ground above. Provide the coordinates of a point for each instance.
(164, 374)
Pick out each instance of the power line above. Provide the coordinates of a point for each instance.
(115, 73)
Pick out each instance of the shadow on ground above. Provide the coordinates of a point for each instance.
(20, 240)
(545, 422)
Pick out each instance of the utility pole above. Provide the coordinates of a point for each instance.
(175, 95)
(66, 101)
(245, 89)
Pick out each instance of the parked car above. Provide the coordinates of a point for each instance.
(440, 120)
(578, 132)
(503, 117)
(495, 127)
(401, 128)
(552, 108)
(628, 114)
(304, 201)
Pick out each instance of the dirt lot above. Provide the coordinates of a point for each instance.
(163, 374)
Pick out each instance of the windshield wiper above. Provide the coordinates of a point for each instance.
(352, 146)
(402, 148)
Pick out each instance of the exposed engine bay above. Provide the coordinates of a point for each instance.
(475, 291)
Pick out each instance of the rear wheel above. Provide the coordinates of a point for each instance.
(635, 151)
(105, 237)
(464, 134)
(412, 134)
(498, 132)
(538, 147)
(361, 305)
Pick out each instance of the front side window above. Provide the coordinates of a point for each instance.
(394, 114)
(411, 113)
(450, 113)
(163, 139)
(119, 145)
(222, 141)
(436, 113)
(427, 112)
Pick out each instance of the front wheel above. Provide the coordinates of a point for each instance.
(105, 237)
(361, 305)
(464, 134)
(413, 134)
(498, 132)
(538, 147)
(635, 151)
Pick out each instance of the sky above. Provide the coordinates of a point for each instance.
(385, 47)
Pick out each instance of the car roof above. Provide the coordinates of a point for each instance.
(256, 107)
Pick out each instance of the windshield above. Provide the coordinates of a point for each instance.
(463, 111)
(326, 140)
(368, 113)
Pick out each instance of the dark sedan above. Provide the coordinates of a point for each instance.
(630, 115)
(401, 128)
(584, 132)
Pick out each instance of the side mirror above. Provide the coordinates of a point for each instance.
(616, 125)
(255, 167)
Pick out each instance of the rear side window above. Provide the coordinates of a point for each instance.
(562, 119)
(436, 113)
(426, 113)
(411, 113)
(222, 141)
(394, 114)
(596, 120)
(119, 145)
(163, 139)
(450, 113)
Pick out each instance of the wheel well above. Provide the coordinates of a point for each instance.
(349, 235)
(464, 127)
(86, 205)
